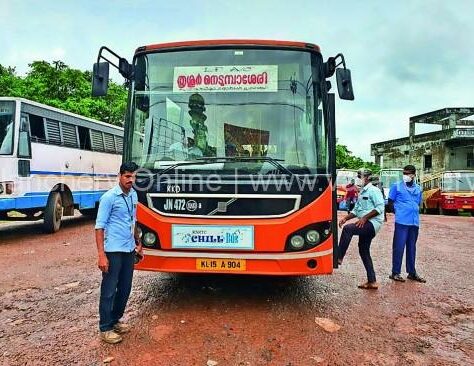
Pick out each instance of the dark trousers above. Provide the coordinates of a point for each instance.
(366, 234)
(115, 289)
(405, 236)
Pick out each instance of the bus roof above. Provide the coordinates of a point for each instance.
(229, 42)
(23, 100)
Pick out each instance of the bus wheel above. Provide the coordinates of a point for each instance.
(53, 213)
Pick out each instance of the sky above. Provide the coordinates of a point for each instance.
(406, 57)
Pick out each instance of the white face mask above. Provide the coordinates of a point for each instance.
(358, 182)
(407, 178)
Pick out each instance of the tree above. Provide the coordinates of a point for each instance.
(60, 86)
(345, 159)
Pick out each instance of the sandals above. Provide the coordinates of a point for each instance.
(396, 277)
(416, 277)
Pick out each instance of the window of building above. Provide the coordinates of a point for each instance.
(427, 163)
(470, 159)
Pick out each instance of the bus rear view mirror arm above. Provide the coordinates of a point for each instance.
(100, 75)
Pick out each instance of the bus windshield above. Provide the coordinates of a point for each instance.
(389, 176)
(458, 182)
(7, 116)
(243, 104)
(344, 177)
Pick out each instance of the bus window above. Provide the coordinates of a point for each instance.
(84, 138)
(119, 144)
(69, 134)
(53, 133)
(24, 145)
(97, 140)
(7, 113)
(37, 128)
(109, 142)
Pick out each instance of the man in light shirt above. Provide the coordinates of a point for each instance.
(369, 210)
(117, 239)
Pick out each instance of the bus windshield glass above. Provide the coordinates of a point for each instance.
(7, 117)
(458, 182)
(388, 177)
(249, 106)
(344, 177)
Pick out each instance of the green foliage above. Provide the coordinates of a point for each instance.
(345, 159)
(59, 86)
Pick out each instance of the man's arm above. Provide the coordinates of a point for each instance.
(346, 218)
(103, 262)
(138, 240)
(103, 214)
(379, 207)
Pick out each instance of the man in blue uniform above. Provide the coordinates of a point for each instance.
(117, 241)
(405, 196)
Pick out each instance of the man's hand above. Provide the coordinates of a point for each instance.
(342, 221)
(103, 263)
(139, 248)
(362, 221)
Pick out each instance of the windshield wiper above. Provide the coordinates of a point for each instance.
(273, 161)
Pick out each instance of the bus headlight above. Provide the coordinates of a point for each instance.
(9, 188)
(149, 239)
(313, 237)
(1, 188)
(297, 242)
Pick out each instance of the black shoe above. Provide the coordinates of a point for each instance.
(415, 277)
(396, 277)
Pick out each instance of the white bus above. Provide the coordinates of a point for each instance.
(53, 161)
(388, 177)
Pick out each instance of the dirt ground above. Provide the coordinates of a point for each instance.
(50, 285)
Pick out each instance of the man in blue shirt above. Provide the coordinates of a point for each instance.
(117, 241)
(369, 209)
(405, 196)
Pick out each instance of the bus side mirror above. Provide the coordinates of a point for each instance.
(344, 84)
(100, 79)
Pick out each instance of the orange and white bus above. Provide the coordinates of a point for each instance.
(236, 144)
(448, 192)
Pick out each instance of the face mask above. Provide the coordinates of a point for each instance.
(358, 182)
(407, 178)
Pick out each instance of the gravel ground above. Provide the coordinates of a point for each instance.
(50, 286)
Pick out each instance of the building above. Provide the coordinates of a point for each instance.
(450, 148)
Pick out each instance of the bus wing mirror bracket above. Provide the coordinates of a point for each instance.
(100, 79)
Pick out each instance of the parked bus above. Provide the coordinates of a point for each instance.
(389, 176)
(343, 178)
(448, 192)
(237, 148)
(53, 161)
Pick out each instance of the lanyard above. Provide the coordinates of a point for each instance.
(130, 211)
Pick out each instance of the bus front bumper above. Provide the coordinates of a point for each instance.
(273, 264)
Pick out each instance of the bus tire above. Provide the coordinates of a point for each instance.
(53, 213)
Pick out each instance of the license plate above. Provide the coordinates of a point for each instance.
(207, 264)
(467, 206)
